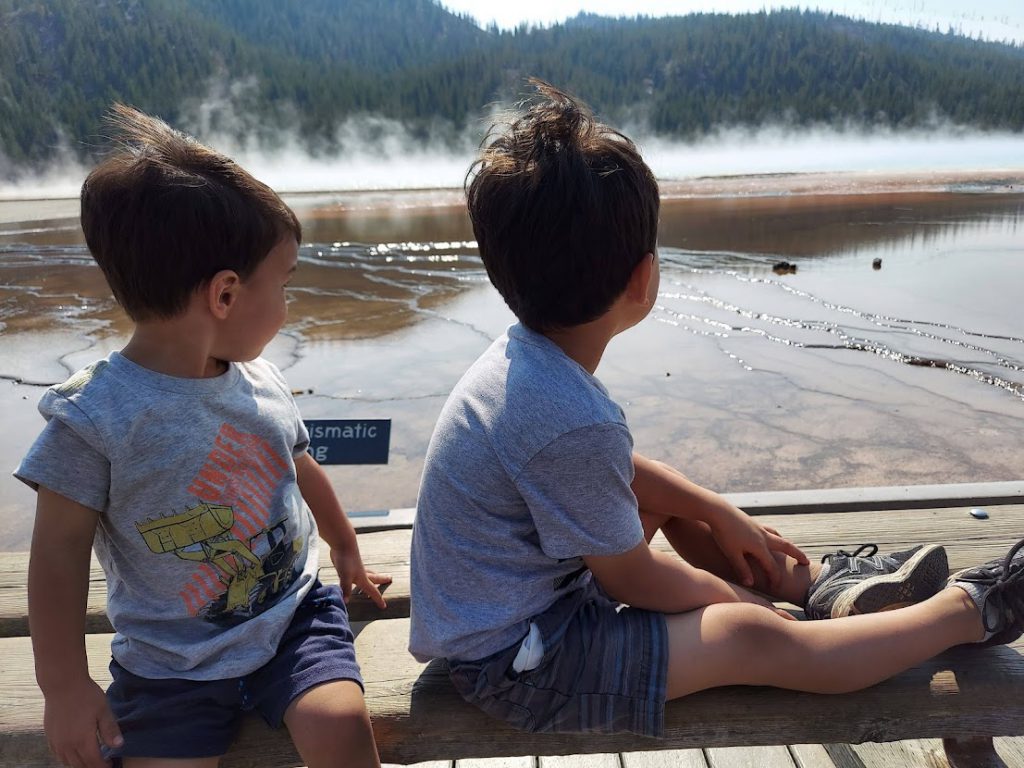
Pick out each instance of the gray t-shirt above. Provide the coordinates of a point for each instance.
(203, 535)
(529, 468)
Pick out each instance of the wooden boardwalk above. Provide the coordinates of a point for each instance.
(912, 754)
(969, 541)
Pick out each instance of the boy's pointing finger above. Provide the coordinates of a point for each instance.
(368, 586)
(789, 548)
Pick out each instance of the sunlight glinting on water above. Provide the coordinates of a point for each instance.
(843, 337)
(831, 373)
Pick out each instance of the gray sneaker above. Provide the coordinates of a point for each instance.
(866, 582)
(997, 588)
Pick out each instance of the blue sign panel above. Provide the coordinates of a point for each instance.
(349, 441)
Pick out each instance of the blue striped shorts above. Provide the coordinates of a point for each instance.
(604, 669)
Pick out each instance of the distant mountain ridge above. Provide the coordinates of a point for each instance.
(260, 68)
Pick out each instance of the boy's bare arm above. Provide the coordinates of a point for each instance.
(662, 490)
(646, 578)
(336, 529)
(58, 585)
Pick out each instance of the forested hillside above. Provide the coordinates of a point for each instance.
(305, 66)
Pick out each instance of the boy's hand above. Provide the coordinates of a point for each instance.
(336, 529)
(349, 566)
(739, 537)
(661, 489)
(73, 718)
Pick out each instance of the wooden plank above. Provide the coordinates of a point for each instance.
(498, 762)
(418, 716)
(880, 498)
(927, 752)
(580, 761)
(843, 756)
(811, 756)
(969, 542)
(669, 758)
(1011, 750)
(757, 757)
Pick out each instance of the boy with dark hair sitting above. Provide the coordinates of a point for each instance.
(183, 459)
(531, 570)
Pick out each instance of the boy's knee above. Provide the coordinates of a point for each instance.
(338, 704)
(329, 720)
(753, 629)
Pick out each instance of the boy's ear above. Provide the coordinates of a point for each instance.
(638, 288)
(222, 292)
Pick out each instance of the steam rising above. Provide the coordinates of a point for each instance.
(371, 152)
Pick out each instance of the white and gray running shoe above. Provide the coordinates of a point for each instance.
(866, 582)
(997, 588)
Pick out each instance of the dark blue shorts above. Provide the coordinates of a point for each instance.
(604, 669)
(177, 718)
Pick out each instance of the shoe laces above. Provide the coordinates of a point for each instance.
(999, 580)
(864, 550)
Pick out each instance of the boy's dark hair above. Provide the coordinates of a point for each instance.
(563, 208)
(162, 214)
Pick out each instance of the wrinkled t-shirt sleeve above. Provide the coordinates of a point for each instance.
(578, 491)
(65, 457)
(301, 433)
(302, 438)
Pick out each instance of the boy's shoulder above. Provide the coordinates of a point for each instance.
(523, 393)
(89, 378)
(548, 384)
(93, 386)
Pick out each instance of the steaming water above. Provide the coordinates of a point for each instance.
(837, 374)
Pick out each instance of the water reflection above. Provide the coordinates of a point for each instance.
(814, 225)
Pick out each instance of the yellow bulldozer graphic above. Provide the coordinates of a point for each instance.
(203, 533)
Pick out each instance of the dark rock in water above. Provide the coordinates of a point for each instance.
(784, 268)
(876, 264)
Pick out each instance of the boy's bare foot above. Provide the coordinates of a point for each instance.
(865, 582)
(997, 588)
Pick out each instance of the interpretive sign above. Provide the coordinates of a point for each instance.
(349, 441)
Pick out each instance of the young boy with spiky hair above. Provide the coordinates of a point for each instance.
(531, 570)
(182, 459)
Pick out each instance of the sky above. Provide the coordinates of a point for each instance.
(991, 19)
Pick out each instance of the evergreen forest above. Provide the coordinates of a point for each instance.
(264, 68)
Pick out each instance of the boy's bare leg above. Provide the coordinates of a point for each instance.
(692, 541)
(331, 727)
(745, 644)
(167, 762)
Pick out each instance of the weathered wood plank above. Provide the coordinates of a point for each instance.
(418, 716)
(669, 758)
(924, 752)
(1011, 750)
(879, 498)
(498, 762)
(968, 541)
(756, 757)
(580, 761)
(811, 756)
